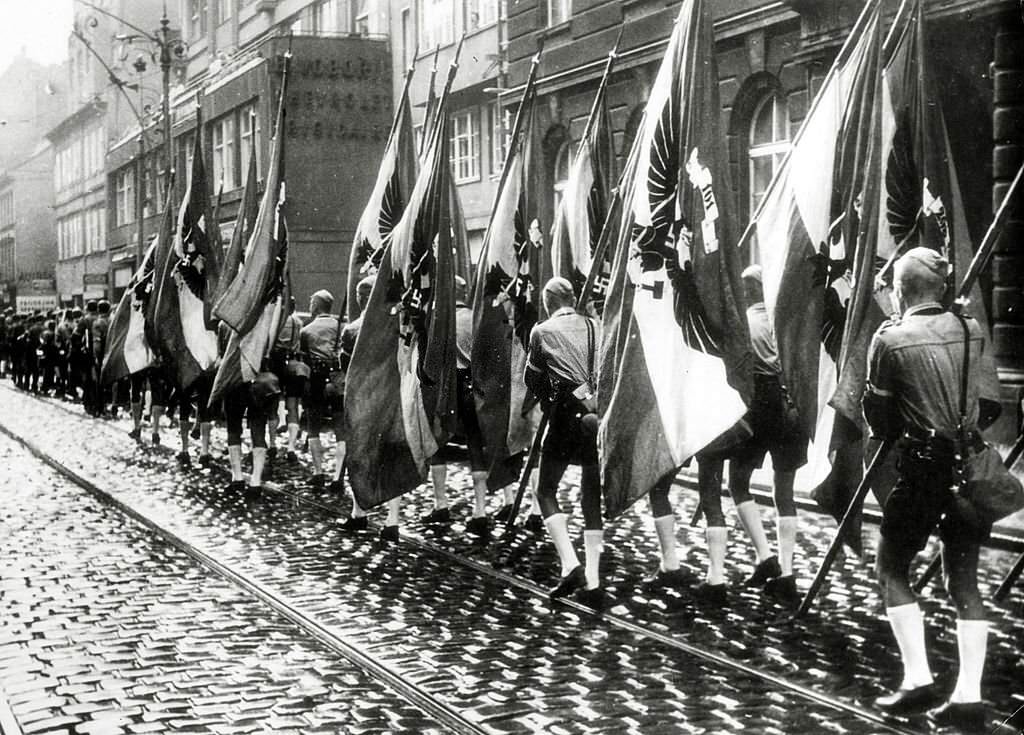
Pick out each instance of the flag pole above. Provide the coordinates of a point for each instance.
(430, 113)
(517, 127)
(978, 263)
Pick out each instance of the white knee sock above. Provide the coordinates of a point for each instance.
(259, 458)
(339, 459)
(750, 519)
(593, 543)
(510, 493)
(716, 536)
(235, 461)
(786, 529)
(971, 641)
(439, 479)
(479, 493)
(156, 412)
(665, 526)
(394, 505)
(908, 627)
(357, 512)
(316, 451)
(293, 436)
(205, 429)
(272, 423)
(558, 529)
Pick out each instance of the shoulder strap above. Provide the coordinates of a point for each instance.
(590, 353)
(963, 376)
(337, 337)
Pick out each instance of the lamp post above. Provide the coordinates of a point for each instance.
(162, 49)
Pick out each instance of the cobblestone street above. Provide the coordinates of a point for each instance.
(140, 597)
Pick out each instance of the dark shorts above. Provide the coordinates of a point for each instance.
(469, 429)
(292, 386)
(921, 501)
(569, 437)
(774, 431)
(318, 407)
(198, 396)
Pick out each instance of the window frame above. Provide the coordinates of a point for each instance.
(471, 137)
(774, 149)
(199, 11)
(223, 141)
(124, 189)
(244, 120)
(499, 120)
(564, 16)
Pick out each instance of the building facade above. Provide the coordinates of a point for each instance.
(339, 110)
(772, 57)
(33, 98)
(28, 243)
(425, 30)
(107, 96)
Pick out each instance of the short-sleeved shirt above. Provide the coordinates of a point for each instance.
(288, 334)
(463, 335)
(762, 339)
(917, 363)
(319, 339)
(560, 347)
(349, 335)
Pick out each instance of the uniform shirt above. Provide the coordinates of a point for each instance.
(85, 328)
(318, 339)
(288, 334)
(559, 348)
(762, 339)
(349, 335)
(915, 372)
(463, 335)
(99, 336)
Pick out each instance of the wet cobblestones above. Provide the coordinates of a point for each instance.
(477, 642)
(108, 630)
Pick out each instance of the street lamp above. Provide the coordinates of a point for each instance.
(164, 48)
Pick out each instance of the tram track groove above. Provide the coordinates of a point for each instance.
(412, 692)
(485, 569)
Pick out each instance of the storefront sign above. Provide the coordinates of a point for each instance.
(36, 303)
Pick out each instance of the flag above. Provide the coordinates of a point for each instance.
(186, 280)
(581, 213)
(400, 388)
(800, 233)
(683, 370)
(128, 351)
(395, 179)
(916, 202)
(259, 275)
(263, 266)
(506, 293)
(248, 211)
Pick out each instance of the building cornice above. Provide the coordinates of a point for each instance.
(95, 108)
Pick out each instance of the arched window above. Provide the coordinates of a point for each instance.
(769, 143)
